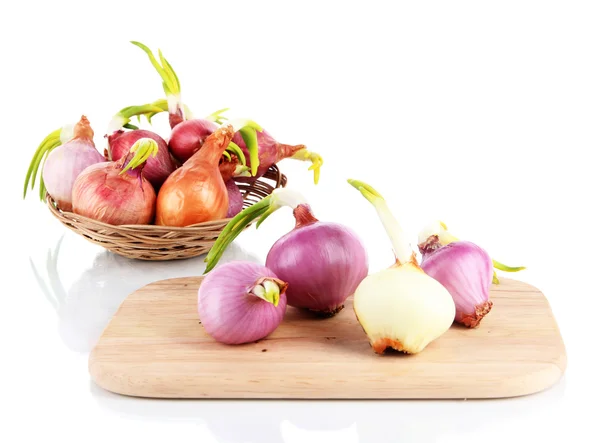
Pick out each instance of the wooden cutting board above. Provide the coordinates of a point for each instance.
(156, 347)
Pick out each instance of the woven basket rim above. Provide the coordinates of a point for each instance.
(280, 181)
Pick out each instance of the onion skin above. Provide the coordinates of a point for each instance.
(270, 152)
(157, 168)
(402, 308)
(102, 193)
(229, 312)
(466, 271)
(189, 136)
(196, 192)
(323, 263)
(236, 201)
(66, 162)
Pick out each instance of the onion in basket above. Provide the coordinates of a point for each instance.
(116, 193)
(63, 162)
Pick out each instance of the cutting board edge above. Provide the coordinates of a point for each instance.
(524, 384)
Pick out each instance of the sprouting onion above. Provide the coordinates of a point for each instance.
(439, 230)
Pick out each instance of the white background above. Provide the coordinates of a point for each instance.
(482, 114)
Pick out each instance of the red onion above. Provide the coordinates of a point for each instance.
(116, 192)
(188, 137)
(241, 302)
(271, 152)
(465, 270)
(157, 168)
(63, 163)
(236, 201)
(323, 262)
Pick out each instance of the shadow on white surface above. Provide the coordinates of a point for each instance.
(86, 307)
(382, 421)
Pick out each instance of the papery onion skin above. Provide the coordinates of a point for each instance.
(466, 270)
(196, 192)
(157, 168)
(64, 164)
(102, 194)
(229, 313)
(323, 263)
(236, 201)
(188, 137)
(270, 152)
(402, 308)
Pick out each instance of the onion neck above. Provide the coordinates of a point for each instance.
(259, 212)
(430, 245)
(83, 131)
(268, 289)
(247, 129)
(214, 147)
(303, 216)
(400, 243)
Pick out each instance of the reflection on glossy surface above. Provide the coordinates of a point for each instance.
(259, 421)
(87, 306)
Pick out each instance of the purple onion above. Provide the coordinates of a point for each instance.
(322, 262)
(157, 168)
(236, 201)
(241, 302)
(188, 137)
(466, 271)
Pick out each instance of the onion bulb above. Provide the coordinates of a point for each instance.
(157, 168)
(323, 262)
(400, 307)
(196, 192)
(466, 271)
(116, 193)
(62, 162)
(440, 231)
(241, 302)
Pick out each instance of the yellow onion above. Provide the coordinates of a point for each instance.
(400, 307)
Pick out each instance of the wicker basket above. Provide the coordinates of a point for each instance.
(151, 242)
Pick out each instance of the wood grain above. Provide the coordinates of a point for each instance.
(155, 347)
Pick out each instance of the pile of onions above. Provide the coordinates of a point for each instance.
(241, 302)
(157, 168)
(63, 162)
(400, 307)
(260, 149)
(322, 262)
(196, 192)
(117, 193)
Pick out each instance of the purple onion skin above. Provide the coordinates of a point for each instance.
(322, 262)
(466, 271)
(228, 313)
(188, 137)
(63, 166)
(236, 201)
(157, 168)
